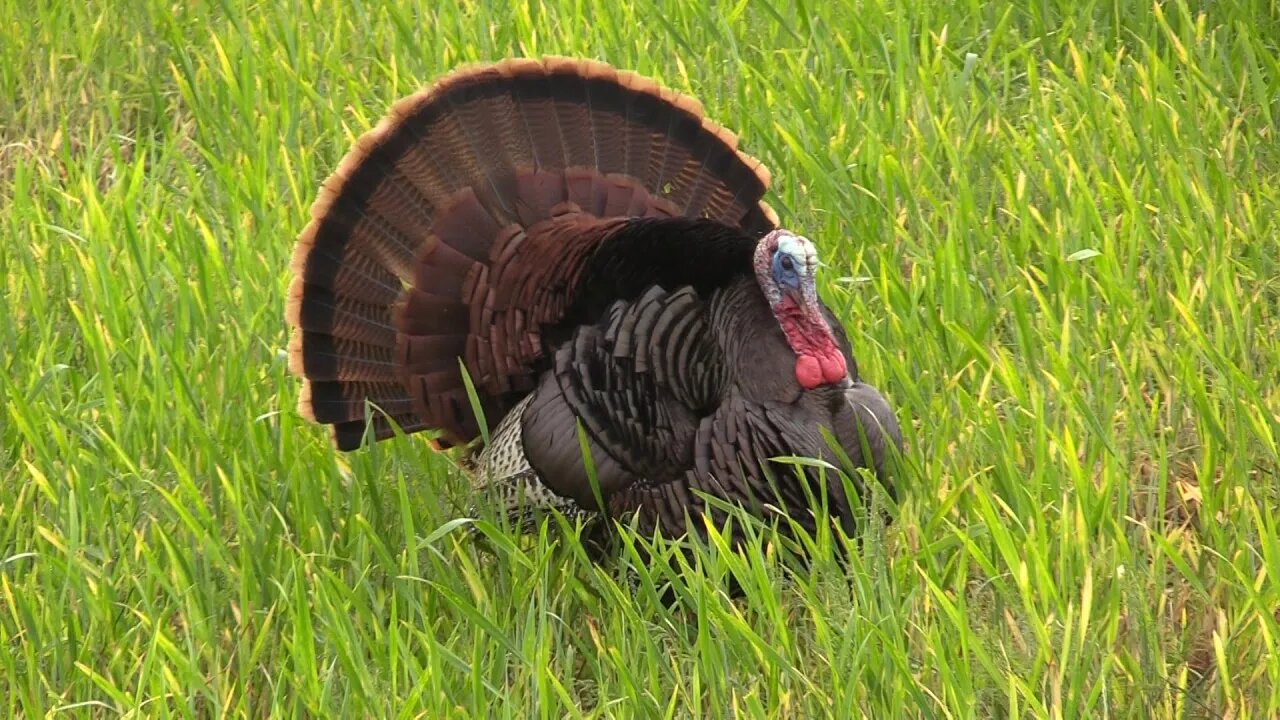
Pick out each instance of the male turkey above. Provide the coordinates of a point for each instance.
(597, 254)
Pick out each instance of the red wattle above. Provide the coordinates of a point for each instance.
(808, 371)
(813, 371)
(833, 366)
(818, 360)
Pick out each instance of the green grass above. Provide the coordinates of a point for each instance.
(1059, 256)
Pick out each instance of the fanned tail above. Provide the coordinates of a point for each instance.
(454, 229)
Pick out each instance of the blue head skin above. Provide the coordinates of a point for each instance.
(786, 271)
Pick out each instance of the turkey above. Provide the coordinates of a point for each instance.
(596, 254)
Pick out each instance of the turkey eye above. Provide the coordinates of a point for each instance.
(787, 264)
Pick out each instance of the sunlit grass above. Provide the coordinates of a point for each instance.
(1053, 230)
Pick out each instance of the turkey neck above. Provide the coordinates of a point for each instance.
(758, 356)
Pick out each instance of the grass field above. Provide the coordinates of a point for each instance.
(1053, 229)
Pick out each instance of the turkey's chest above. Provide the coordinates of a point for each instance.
(766, 412)
(758, 430)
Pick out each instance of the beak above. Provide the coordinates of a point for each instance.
(804, 294)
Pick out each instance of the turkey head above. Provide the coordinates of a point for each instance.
(786, 267)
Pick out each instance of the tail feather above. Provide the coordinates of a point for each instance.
(317, 309)
(428, 314)
(442, 268)
(622, 199)
(457, 226)
(713, 163)
(353, 277)
(336, 402)
(606, 99)
(350, 435)
(467, 226)
(531, 89)
(569, 89)
(537, 192)
(422, 170)
(587, 190)
(322, 356)
(381, 221)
